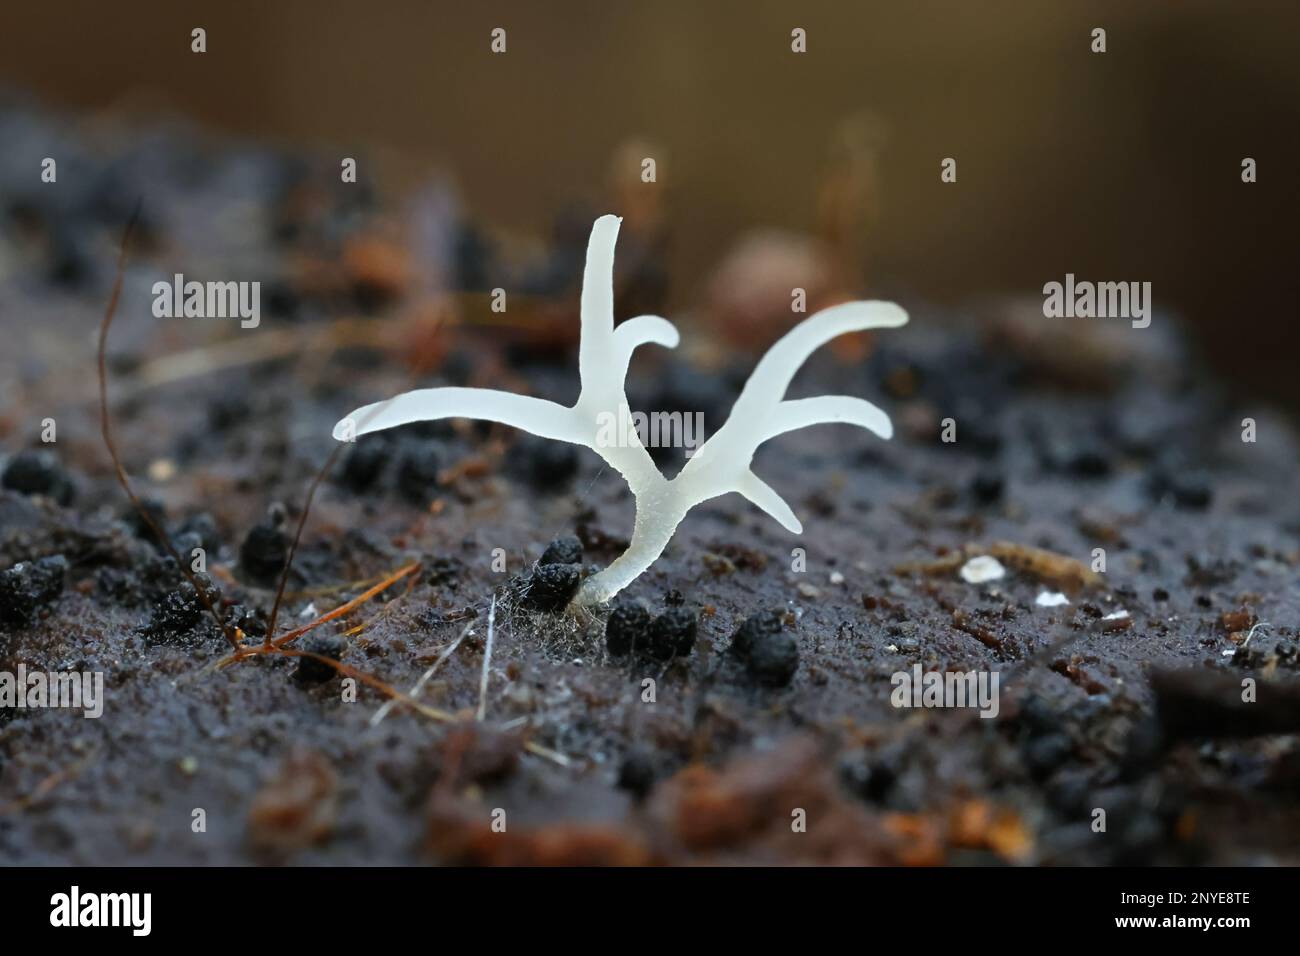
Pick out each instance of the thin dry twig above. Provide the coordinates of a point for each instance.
(106, 431)
(297, 539)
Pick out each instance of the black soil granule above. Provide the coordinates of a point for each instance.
(180, 611)
(364, 464)
(1189, 489)
(770, 653)
(627, 627)
(28, 586)
(756, 626)
(566, 550)
(417, 474)
(252, 621)
(444, 571)
(205, 527)
(551, 587)
(312, 671)
(672, 633)
(987, 486)
(636, 774)
(140, 527)
(264, 553)
(38, 473)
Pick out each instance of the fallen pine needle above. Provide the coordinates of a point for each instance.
(418, 686)
(433, 713)
(487, 661)
(338, 612)
(367, 624)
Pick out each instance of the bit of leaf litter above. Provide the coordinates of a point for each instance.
(981, 569)
(721, 466)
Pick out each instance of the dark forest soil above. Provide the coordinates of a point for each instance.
(1088, 435)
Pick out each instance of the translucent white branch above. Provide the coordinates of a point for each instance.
(771, 377)
(535, 415)
(643, 330)
(760, 494)
(722, 465)
(827, 409)
(595, 370)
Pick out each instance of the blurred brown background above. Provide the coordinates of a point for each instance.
(1123, 166)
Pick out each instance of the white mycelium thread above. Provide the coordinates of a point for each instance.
(722, 465)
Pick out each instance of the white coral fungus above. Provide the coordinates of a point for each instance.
(722, 465)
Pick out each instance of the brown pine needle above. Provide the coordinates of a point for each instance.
(384, 612)
(244, 650)
(348, 607)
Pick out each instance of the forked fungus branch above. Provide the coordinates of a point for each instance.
(722, 465)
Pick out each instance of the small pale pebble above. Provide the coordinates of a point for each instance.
(837, 578)
(1051, 599)
(981, 569)
(807, 590)
(1116, 615)
(162, 470)
(189, 766)
(308, 612)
